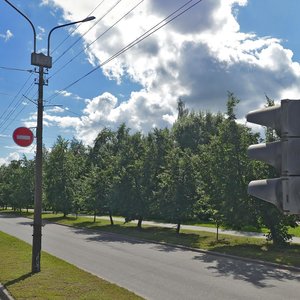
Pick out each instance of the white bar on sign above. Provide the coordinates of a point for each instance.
(23, 137)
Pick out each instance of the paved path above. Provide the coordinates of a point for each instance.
(160, 272)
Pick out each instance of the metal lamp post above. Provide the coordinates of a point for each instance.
(42, 61)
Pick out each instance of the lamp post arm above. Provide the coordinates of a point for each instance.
(64, 25)
(34, 32)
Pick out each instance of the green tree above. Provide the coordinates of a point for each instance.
(59, 182)
(159, 143)
(101, 176)
(227, 170)
(192, 129)
(179, 187)
(78, 156)
(16, 187)
(129, 187)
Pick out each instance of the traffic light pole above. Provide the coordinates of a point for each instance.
(37, 221)
(283, 155)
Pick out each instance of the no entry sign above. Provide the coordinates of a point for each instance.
(23, 136)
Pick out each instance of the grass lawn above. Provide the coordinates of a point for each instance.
(57, 280)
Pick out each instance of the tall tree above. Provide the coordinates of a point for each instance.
(101, 176)
(179, 187)
(59, 181)
(192, 129)
(228, 170)
(129, 188)
(78, 156)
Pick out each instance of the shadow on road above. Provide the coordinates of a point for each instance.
(252, 272)
(10, 215)
(152, 233)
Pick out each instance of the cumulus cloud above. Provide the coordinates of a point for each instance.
(199, 57)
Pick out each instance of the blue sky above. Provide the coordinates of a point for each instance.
(249, 47)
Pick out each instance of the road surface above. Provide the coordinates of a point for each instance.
(156, 271)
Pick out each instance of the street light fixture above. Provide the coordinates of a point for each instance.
(42, 61)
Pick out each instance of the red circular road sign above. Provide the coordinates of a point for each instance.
(23, 136)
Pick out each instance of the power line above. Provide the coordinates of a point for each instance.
(142, 37)
(102, 34)
(27, 92)
(10, 113)
(109, 10)
(72, 31)
(13, 100)
(16, 69)
(149, 32)
(17, 105)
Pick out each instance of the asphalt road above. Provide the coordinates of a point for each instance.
(158, 271)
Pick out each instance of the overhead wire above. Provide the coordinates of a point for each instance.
(77, 40)
(14, 109)
(142, 37)
(178, 12)
(17, 105)
(9, 113)
(15, 69)
(102, 34)
(76, 28)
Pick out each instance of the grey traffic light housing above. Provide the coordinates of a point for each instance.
(283, 155)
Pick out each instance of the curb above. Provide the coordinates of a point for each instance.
(4, 294)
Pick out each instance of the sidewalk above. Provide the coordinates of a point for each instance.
(200, 228)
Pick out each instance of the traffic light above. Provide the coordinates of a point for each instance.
(283, 155)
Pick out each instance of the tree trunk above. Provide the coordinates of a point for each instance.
(140, 220)
(95, 214)
(111, 218)
(178, 227)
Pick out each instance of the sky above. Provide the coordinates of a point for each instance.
(248, 47)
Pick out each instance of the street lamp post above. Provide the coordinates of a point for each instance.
(42, 61)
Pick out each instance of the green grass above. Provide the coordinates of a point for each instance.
(295, 231)
(234, 245)
(57, 280)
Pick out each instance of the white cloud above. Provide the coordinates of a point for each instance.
(56, 109)
(9, 158)
(64, 93)
(198, 57)
(41, 33)
(68, 94)
(7, 36)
